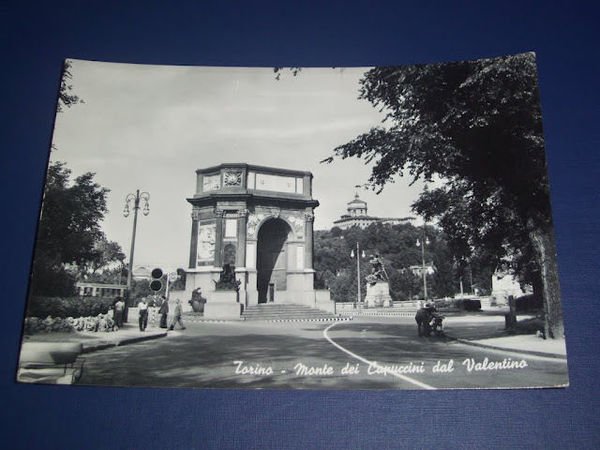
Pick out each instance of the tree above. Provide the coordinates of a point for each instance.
(141, 288)
(111, 275)
(104, 254)
(395, 244)
(69, 230)
(477, 125)
(66, 97)
(179, 283)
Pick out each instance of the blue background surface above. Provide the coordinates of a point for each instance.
(34, 40)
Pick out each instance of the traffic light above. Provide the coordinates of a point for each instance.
(156, 283)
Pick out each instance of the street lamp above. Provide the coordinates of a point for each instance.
(425, 242)
(132, 201)
(358, 256)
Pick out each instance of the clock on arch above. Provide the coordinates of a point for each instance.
(232, 178)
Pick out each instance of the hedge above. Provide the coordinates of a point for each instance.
(68, 306)
(529, 303)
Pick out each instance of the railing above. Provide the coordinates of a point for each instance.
(398, 309)
(397, 305)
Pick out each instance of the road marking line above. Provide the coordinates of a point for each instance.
(372, 363)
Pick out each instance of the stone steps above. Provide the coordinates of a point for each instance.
(288, 312)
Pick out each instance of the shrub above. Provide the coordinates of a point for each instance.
(529, 303)
(467, 304)
(68, 306)
(472, 305)
(101, 322)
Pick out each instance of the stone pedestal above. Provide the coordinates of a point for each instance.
(378, 295)
(222, 305)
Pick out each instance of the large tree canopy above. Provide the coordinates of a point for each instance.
(477, 125)
(69, 230)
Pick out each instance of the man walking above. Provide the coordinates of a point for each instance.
(177, 316)
(143, 314)
(118, 308)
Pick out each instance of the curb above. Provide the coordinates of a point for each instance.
(245, 320)
(386, 315)
(133, 340)
(213, 320)
(333, 319)
(495, 347)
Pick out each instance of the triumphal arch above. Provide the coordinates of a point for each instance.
(260, 221)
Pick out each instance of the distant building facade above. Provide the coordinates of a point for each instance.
(144, 272)
(100, 289)
(357, 216)
(504, 286)
(418, 269)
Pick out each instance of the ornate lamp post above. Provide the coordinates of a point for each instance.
(358, 256)
(425, 242)
(133, 201)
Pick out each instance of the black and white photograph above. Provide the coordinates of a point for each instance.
(324, 228)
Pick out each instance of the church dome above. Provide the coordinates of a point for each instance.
(357, 207)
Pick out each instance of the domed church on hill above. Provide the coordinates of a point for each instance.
(357, 216)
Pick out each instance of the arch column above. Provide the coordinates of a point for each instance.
(219, 213)
(308, 240)
(240, 257)
(194, 240)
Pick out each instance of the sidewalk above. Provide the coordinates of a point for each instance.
(489, 332)
(92, 341)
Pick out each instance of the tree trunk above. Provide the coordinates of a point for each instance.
(543, 244)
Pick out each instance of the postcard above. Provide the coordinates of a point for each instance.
(296, 228)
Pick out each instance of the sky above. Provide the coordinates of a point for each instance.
(150, 127)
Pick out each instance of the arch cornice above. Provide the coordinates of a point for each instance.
(285, 201)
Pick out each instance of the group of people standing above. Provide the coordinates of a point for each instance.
(119, 310)
(164, 314)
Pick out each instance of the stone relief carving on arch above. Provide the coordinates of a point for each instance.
(295, 220)
(253, 221)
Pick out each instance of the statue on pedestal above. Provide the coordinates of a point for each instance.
(378, 272)
(378, 288)
(197, 302)
(227, 280)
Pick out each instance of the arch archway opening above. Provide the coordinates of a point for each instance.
(271, 259)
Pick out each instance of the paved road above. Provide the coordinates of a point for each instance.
(384, 353)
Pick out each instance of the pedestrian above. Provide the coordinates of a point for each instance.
(177, 316)
(164, 312)
(143, 314)
(118, 308)
(423, 318)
